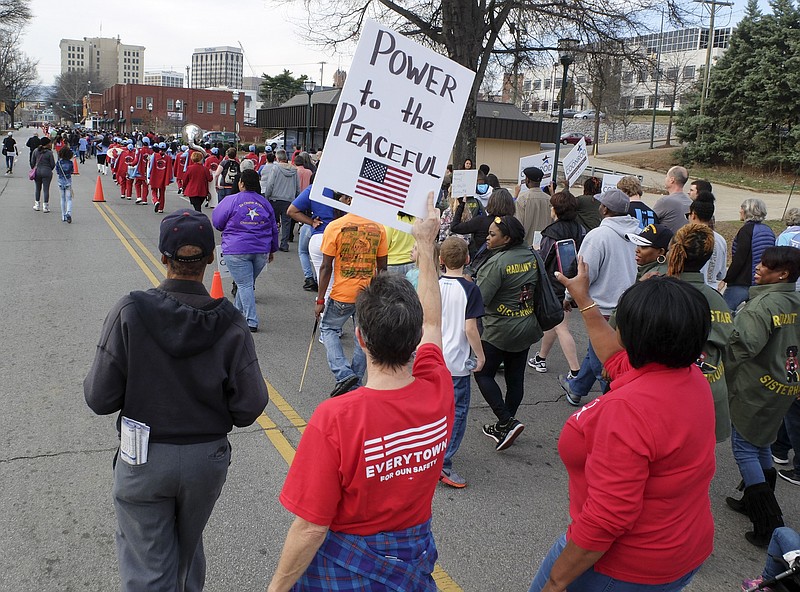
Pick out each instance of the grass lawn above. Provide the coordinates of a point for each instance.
(661, 159)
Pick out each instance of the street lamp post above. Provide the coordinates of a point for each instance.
(235, 121)
(130, 123)
(178, 106)
(309, 86)
(566, 55)
(105, 118)
(116, 119)
(150, 114)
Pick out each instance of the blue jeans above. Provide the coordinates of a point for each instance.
(783, 540)
(10, 162)
(334, 318)
(752, 460)
(735, 295)
(66, 201)
(461, 392)
(302, 251)
(591, 370)
(244, 271)
(223, 192)
(280, 206)
(591, 581)
(789, 435)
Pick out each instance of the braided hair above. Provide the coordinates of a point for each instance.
(692, 247)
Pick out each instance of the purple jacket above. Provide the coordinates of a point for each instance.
(247, 222)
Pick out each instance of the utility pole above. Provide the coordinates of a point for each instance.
(321, 70)
(709, 46)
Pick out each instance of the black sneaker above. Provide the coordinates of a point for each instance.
(790, 475)
(490, 429)
(310, 285)
(509, 431)
(344, 386)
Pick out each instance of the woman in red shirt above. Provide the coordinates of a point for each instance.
(196, 180)
(641, 457)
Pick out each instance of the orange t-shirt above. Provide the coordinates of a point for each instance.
(355, 243)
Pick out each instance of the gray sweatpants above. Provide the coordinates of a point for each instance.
(162, 508)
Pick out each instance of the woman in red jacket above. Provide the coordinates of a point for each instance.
(640, 458)
(195, 181)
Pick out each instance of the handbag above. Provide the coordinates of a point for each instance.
(548, 308)
(32, 174)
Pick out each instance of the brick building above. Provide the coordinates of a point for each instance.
(167, 109)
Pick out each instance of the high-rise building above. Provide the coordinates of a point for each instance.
(107, 61)
(217, 67)
(163, 78)
(251, 82)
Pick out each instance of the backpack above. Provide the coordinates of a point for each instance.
(230, 173)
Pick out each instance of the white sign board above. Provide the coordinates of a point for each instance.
(222, 267)
(464, 183)
(393, 129)
(543, 160)
(576, 162)
(610, 182)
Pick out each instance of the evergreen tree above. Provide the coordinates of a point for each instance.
(276, 90)
(750, 115)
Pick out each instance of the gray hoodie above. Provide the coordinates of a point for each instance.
(611, 259)
(283, 183)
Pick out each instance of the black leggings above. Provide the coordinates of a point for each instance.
(514, 370)
(197, 203)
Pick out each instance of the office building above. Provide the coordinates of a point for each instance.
(163, 78)
(107, 61)
(217, 67)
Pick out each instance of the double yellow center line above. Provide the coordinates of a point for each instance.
(275, 435)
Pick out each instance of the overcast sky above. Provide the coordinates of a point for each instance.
(171, 29)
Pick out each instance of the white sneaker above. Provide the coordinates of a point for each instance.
(36, 206)
(537, 363)
(138, 200)
(46, 209)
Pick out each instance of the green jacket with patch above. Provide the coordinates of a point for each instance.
(507, 282)
(761, 362)
(711, 360)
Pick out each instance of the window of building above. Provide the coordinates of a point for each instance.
(544, 105)
(170, 104)
(666, 100)
(651, 102)
(581, 79)
(627, 77)
(641, 76)
(638, 102)
(547, 84)
(139, 103)
(688, 72)
(223, 108)
(672, 74)
(199, 106)
(233, 108)
(209, 106)
(526, 86)
(558, 83)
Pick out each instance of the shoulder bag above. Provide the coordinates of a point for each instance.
(548, 308)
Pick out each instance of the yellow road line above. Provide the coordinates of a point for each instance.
(443, 581)
(285, 408)
(277, 438)
(158, 265)
(128, 246)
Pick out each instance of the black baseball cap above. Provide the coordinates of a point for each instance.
(186, 227)
(653, 235)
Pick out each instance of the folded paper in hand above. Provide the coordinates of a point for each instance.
(134, 440)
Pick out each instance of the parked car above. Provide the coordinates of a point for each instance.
(568, 113)
(223, 137)
(588, 114)
(574, 138)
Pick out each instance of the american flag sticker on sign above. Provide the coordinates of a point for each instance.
(383, 182)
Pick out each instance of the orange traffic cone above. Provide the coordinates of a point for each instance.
(75, 166)
(216, 286)
(98, 191)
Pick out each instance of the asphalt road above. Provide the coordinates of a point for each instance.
(56, 516)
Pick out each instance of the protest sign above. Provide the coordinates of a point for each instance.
(610, 181)
(464, 183)
(576, 162)
(543, 160)
(393, 129)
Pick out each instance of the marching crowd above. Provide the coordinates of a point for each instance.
(688, 352)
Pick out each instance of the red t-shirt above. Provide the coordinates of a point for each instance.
(640, 460)
(369, 460)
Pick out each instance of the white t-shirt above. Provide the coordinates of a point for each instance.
(461, 300)
(714, 270)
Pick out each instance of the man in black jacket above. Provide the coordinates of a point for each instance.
(184, 365)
